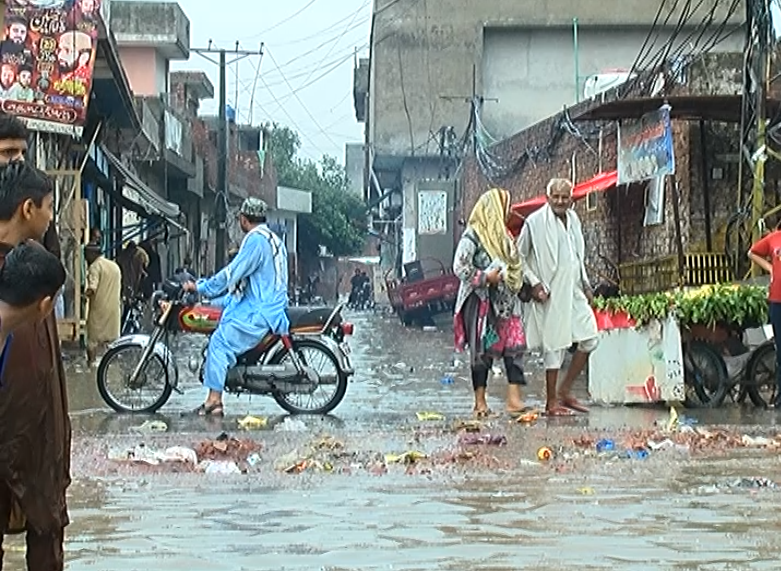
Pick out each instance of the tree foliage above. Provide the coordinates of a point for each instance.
(338, 219)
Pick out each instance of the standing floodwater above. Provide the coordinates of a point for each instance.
(402, 478)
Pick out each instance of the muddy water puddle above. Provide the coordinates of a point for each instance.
(522, 520)
(670, 512)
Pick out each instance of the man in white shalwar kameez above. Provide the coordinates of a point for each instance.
(552, 250)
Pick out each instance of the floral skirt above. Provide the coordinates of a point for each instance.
(486, 335)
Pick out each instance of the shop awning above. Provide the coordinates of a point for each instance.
(148, 199)
(602, 181)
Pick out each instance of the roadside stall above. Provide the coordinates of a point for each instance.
(697, 346)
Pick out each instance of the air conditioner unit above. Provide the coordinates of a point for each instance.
(605, 81)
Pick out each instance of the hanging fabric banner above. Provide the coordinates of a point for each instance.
(47, 56)
(645, 147)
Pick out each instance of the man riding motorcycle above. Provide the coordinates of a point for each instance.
(256, 304)
(356, 283)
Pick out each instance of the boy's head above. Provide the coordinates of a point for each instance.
(13, 139)
(26, 198)
(30, 278)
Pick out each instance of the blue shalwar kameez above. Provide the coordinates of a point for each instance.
(256, 304)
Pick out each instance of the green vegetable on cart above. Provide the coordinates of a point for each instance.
(743, 306)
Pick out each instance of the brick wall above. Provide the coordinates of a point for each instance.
(244, 169)
(614, 226)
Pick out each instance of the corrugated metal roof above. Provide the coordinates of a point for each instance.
(725, 108)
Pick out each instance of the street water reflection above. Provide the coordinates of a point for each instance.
(665, 513)
(529, 522)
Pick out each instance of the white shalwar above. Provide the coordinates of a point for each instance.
(552, 254)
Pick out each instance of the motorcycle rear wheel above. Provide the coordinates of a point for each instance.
(120, 405)
(341, 379)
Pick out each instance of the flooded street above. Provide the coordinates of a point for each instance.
(467, 506)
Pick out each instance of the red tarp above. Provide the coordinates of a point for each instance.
(602, 181)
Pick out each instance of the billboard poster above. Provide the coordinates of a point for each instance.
(645, 147)
(47, 55)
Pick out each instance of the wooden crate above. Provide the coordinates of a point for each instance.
(708, 268)
(660, 274)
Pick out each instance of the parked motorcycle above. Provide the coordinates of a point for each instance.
(133, 316)
(285, 367)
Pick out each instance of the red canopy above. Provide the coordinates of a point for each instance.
(602, 181)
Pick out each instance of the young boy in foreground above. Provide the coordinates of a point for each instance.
(30, 278)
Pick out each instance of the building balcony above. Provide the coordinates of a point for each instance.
(250, 171)
(160, 25)
(170, 134)
(197, 84)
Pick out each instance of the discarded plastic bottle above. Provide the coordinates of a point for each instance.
(605, 446)
(544, 454)
(640, 454)
(447, 380)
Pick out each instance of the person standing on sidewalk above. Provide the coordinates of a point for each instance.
(104, 292)
(35, 431)
(766, 253)
(488, 307)
(552, 252)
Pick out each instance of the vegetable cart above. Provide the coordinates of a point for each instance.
(726, 349)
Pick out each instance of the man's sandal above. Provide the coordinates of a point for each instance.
(209, 410)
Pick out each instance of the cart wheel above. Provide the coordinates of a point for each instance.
(705, 376)
(760, 379)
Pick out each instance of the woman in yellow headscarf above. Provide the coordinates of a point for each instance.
(488, 307)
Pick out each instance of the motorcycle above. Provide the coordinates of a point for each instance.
(282, 366)
(362, 299)
(133, 317)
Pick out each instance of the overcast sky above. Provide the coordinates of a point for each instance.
(305, 79)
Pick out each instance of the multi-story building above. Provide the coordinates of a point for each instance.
(150, 35)
(521, 61)
(176, 152)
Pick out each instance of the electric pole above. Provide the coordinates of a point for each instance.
(223, 162)
(754, 148)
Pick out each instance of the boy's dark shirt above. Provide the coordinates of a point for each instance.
(35, 431)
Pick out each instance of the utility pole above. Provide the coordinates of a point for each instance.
(475, 103)
(223, 162)
(754, 148)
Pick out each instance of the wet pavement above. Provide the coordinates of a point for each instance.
(322, 493)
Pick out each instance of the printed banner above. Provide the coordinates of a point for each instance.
(645, 147)
(47, 56)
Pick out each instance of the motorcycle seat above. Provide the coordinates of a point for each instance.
(308, 316)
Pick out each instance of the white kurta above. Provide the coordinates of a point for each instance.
(552, 254)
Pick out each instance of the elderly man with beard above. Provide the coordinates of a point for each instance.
(35, 432)
(552, 253)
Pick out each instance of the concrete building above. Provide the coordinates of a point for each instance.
(527, 59)
(355, 168)
(176, 152)
(283, 219)
(705, 110)
(150, 35)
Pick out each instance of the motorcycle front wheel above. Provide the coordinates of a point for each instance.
(114, 372)
(319, 357)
